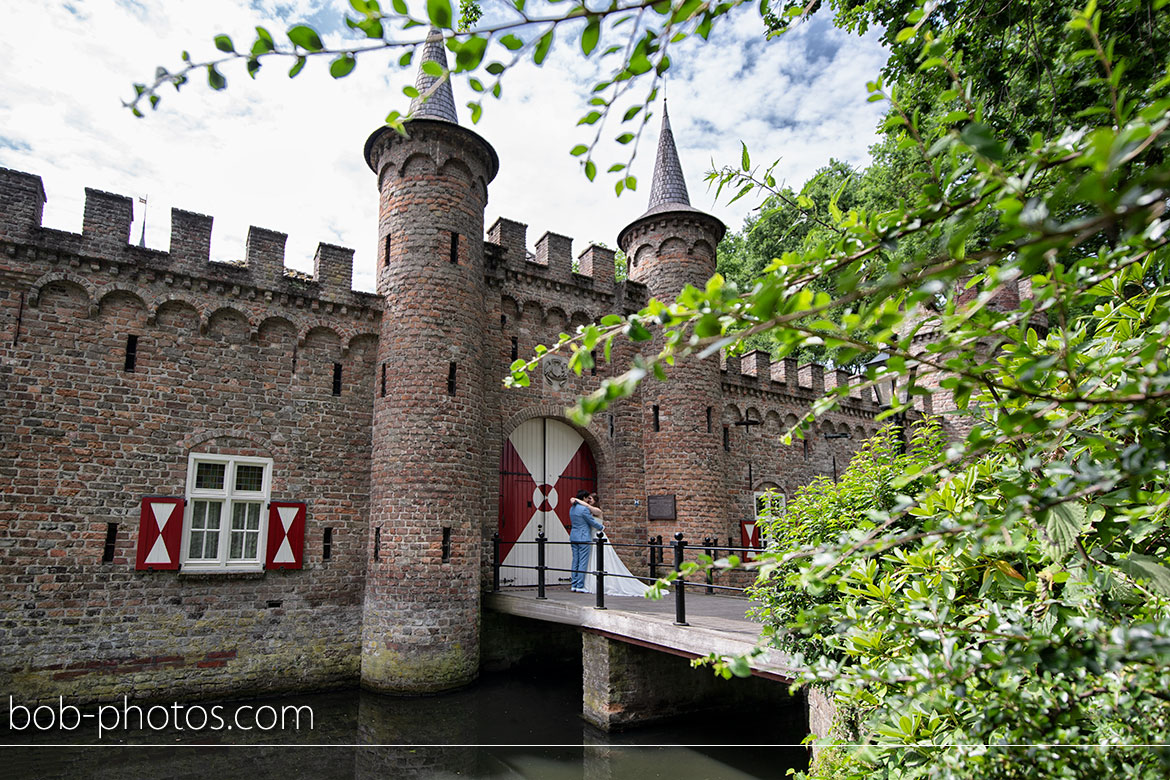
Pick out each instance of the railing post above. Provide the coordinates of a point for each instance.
(661, 549)
(540, 562)
(680, 604)
(600, 570)
(707, 542)
(496, 562)
(653, 560)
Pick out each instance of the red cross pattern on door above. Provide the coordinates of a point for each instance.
(543, 465)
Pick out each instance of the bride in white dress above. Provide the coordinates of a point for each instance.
(618, 581)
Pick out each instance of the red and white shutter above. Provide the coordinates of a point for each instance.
(286, 535)
(160, 533)
(749, 535)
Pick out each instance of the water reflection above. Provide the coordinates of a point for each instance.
(521, 723)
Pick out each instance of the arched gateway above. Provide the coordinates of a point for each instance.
(544, 463)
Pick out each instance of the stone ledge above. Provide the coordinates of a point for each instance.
(705, 635)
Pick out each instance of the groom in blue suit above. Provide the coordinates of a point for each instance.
(583, 516)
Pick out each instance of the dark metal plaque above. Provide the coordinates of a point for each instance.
(660, 507)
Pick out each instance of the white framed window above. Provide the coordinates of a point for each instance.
(770, 504)
(225, 525)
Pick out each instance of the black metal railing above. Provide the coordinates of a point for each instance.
(656, 558)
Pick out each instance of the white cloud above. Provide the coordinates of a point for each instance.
(287, 155)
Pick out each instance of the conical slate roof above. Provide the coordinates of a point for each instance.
(441, 104)
(668, 191)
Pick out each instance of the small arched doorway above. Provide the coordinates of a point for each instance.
(544, 463)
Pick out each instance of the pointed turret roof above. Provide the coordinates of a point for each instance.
(441, 104)
(668, 191)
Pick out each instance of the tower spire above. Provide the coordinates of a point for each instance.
(441, 104)
(668, 191)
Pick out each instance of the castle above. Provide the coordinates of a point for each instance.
(224, 478)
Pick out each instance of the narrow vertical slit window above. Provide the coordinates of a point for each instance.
(656, 424)
(337, 379)
(503, 320)
(451, 378)
(383, 379)
(611, 426)
(378, 543)
(131, 352)
(515, 347)
(446, 548)
(327, 544)
(454, 247)
(386, 252)
(708, 419)
(727, 438)
(593, 369)
(111, 542)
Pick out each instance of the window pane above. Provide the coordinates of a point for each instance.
(209, 476)
(249, 478)
(204, 541)
(245, 530)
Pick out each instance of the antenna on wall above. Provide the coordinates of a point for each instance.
(142, 238)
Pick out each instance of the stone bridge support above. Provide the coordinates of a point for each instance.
(628, 685)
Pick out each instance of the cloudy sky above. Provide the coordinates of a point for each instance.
(287, 155)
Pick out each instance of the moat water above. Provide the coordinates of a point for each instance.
(525, 723)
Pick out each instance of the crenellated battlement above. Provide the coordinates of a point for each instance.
(105, 235)
(552, 264)
(756, 371)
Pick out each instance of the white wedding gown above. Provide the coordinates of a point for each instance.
(614, 586)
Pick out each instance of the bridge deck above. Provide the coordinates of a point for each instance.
(717, 623)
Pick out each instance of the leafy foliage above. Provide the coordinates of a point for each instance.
(823, 510)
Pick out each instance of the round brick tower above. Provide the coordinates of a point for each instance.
(420, 631)
(671, 245)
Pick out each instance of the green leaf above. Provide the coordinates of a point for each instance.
(410, 92)
(296, 68)
(215, 79)
(511, 42)
(1063, 525)
(590, 35)
(224, 43)
(739, 666)
(983, 140)
(625, 138)
(590, 170)
(542, 47)
(579, 150)
(744, 160)
(400, 7)
(470, 53)
(476, 112)
(342, 66)
(1151, 570)
(432, 68)
(305, 37)
(439, 12)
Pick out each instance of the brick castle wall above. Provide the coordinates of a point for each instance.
(239, 358)
(224, 364)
